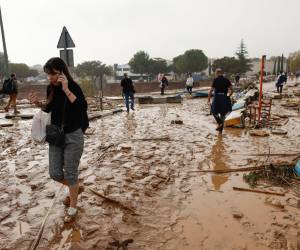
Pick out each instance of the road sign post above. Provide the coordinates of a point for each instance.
(66, 42)
(6, 73)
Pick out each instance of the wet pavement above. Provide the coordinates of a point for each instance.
(148, 167)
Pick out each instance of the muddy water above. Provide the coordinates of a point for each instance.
(150, 166)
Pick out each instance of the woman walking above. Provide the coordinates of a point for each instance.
(189, 84)
(68, 107)
(221, 104)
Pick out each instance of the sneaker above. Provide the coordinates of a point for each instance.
(70, 215)
(6, 109)
(132, 108)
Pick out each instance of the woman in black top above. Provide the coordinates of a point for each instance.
(68, 108)
(221, 104)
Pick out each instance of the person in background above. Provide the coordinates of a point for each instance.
(280, 81)
(189, 84)
(237, 79)
(163, 84)
(11, 89)
(221, 104)
(128, 91)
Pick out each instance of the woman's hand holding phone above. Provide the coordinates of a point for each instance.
(64, 81)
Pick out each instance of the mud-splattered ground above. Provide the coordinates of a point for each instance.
(149, 165)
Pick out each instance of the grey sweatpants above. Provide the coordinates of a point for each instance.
(64, 161)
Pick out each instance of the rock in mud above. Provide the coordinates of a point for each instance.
(177, 121)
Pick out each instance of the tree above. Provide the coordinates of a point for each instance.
(274, 69)
(282, 63)
(33, 72)
(157, 65)
(193, 60)
(294, 62)
(278, 65)
(21, 70)
(229, 65)
(94, 69)
(179, 66)
(244, 61)
(140, 62)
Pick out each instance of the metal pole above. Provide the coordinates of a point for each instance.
(66, 50)
(101, 93)
(260, 86)
(6, 74)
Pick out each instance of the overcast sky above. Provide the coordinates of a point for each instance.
(113, 30)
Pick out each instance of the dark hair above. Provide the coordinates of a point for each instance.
(12, 75)
(58, 64)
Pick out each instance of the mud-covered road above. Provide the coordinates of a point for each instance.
(149, 167)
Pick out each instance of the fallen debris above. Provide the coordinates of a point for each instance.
(257, 191)
(260, 133)
(113, 201)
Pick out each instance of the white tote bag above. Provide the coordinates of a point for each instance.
(38, 130)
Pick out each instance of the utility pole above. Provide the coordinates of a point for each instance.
(6, 74)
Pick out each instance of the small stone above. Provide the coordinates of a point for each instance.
(177, 122)
(50, 195)
(237, 215)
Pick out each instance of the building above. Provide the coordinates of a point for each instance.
(121, 69)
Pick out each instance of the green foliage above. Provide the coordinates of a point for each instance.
(278, 65)
(229, 65)
(140, 62)
(21, 70)
(93, 69)
(193, 60)
(294, 62)
(282, 63)
(242, 56)
(157, 65)
(274, 69)
(87, 87)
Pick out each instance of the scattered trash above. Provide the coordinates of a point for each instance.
(297, 168)
(276, 175)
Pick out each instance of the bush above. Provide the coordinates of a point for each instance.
(87, 87)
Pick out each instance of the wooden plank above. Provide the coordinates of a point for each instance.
(257, 191)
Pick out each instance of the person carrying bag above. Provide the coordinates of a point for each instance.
(69, 120)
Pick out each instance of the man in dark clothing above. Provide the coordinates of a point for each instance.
(237, 79)
(12, 92)
(128, 91)
(163, 84)
(280, 81)
(221, 104)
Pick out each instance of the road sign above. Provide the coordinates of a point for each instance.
(65, 40)
(67, 56)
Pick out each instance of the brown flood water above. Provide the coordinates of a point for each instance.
(151, 167)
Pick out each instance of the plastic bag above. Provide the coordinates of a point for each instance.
(39, 123)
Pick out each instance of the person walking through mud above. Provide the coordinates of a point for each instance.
(221, 104)
(68, 107)
(163, 84)
(10, 87)
(280, 81)
(128, 91)
(189, 84)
